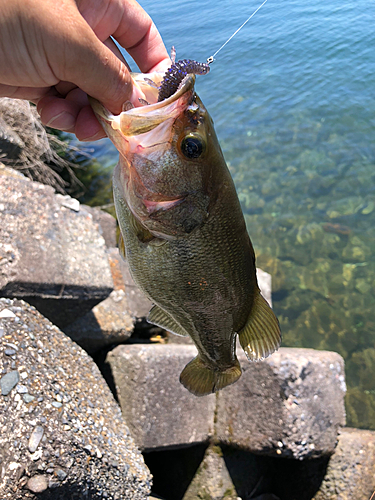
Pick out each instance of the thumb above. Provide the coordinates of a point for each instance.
(93, 66)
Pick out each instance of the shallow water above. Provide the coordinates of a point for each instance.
(292, 98)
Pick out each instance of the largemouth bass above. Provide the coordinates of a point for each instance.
(184, 234)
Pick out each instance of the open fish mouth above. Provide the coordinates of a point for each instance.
(151, 113)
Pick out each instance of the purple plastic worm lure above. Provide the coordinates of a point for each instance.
(176, 73)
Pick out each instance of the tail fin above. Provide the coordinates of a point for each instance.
(201, 380)
(261, 335)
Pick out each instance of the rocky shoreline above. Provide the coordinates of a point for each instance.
(91, 405)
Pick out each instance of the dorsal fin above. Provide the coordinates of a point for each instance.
(261, 335)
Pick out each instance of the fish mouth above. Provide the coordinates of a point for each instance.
(146, 117)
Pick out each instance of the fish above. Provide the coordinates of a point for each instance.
(183, 231)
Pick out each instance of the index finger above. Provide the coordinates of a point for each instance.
(143, 42)
(128, 23)
(150, 53)
(141, 39)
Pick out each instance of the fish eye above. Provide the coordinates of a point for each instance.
(192, 146)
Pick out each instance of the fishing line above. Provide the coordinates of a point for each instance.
(179, 70)
(212, 58)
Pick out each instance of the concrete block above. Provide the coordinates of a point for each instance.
(50, 255)
(110, 321)
(107, 323)
(212, 479)
(291, 404)
(351, 469)
(265, 285)
(159, 411)
(62, 433)
(107, 225)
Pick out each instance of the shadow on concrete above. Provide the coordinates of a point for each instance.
(252, 475)
(174, 469)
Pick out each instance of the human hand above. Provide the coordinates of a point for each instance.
(54, 54)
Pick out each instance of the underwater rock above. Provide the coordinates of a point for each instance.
(356, 250)
(251, 201)
(360, 406)
(361, 367)
(345, 206)
(309, 232)
(368, 208)
(360, 399)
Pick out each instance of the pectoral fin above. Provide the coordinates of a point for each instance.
(261, 335)
(159, 317)
(201, 380)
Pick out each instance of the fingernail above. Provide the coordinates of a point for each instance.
(63, 121)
